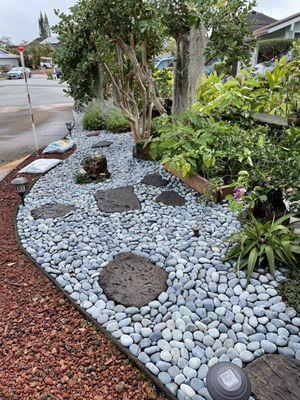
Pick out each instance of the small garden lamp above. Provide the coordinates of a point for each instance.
(227, 381)
(70, 127)
(20, 185)
(196, 230)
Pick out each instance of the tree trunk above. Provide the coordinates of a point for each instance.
(100, 89)
(188, 68)
(180, 89)
(197, 46)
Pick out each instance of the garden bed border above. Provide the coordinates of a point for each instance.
(200, 184)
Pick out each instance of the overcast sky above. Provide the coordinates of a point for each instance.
(19, 18)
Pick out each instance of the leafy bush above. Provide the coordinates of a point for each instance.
(290, 290)
(247, 94)
(164, 82)
(114, 119)
(264, 244)
(194, 145)
(93, 119)
(271, 48)
(104, 116)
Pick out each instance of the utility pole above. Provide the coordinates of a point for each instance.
(21, 51)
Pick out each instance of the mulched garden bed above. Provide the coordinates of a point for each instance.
(47, 349)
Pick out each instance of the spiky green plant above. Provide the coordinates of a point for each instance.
(264, 243)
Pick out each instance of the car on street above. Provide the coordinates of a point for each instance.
(18, 73)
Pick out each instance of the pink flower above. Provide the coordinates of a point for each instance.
(238, 193)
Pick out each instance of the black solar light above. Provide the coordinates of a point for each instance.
(196, 230)
(227, 381)
(20, 185)
(70, 126)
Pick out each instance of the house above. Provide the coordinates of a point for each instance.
(8, 60)
(286, 28)
(257, 20)
(53, 41)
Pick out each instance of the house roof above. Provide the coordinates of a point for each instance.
(257, 20)
(50, 40)
(274, 26)
(7, 54)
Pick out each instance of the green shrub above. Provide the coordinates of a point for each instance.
(264, 244)
(93, 119)
(114, 119)
(103, 116)
(290, 290)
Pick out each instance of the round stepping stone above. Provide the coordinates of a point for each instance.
(51, 211)
(132, 280)
(154, 180)
(104, 143)
(170, 198)
(117, 200)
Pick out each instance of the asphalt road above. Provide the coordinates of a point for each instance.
(51, 110)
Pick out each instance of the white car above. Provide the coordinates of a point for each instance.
(17, 72)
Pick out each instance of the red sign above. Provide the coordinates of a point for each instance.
(21, 49)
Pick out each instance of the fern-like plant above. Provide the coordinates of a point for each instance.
(264, 244)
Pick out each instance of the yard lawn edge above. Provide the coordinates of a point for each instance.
(87, 316)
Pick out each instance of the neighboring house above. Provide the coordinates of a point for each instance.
(286, 28)
(52, 40)
(257, 20)
(8, 60)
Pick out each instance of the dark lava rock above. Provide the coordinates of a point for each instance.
(154, 180)
(51, 211)
(95, 166)
(170, 198)
(132, 280)
(104, 143)
(117, 200)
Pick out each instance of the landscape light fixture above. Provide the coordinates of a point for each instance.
(196, 230)
(227, 381)
(70, 127)
(20, 185)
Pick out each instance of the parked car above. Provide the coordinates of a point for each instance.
(167, 62)
(17, 72)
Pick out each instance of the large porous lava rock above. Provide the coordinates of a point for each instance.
(154, 180)
(141, 151)
(51, 211)
(121, 199)
(170, 198)
(132, 280)
(95, 166)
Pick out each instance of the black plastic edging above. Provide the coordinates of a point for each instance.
(99, 327)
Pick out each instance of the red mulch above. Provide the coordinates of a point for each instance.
(48, 351)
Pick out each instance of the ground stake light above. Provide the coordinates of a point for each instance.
(226, 381)
(196, 230)
(70, 127)
(20, 185)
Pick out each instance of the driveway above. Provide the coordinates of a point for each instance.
(51, 110)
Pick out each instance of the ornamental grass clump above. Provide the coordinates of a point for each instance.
(265, 244)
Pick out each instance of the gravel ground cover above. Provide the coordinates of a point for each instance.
(47, 349)
(207, 314)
